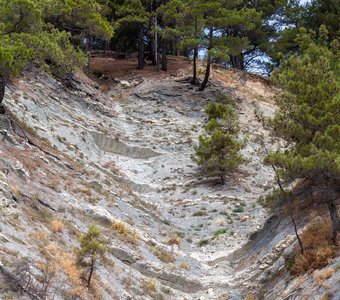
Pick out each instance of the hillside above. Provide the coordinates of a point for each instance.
(113, 149)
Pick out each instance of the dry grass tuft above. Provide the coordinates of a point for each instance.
(322, 275)
(318, 249)
(56, 226)
(125, 233)
(163, 255)
(174, 240)
(184, 266)
(150, 287)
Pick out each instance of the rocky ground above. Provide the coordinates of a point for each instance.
(120, 158)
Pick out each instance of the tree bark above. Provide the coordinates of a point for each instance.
(164, 56)
(140, 48)
(207, 71)
(91, 272)
(2, 88)
(194, 79)
(155, 44)
(296, 231)
(333, 213)
(335, 220)
(2, 93)
(237, 62)
(222, 178)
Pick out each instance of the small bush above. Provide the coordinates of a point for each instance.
(165, 290)
(202, 243)
(238, 209)
(200, 213)
(219, 232)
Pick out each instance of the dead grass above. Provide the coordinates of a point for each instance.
(163, 255)
(125, 233)
(56, 226)
(318, 249)
(322, 275)
(60, 268)
(150, 287)
(174, 240)
(84, 191)
(184, 266)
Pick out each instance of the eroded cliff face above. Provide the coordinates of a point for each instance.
(120, 158)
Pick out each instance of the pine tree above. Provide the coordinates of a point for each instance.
(92, 249)
(134, 12)
(309, 117)
(218, 151)
(218, 15)
(40, 32)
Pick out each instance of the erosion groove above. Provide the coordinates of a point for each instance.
(115, 146)
(170, 231)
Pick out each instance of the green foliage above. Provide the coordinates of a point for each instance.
(308, 115)
(132, 11)
(218, 152)
(274, 197)
(219, 232)
(40, 32)
(92, 248)
(27, 36)
(14, 56)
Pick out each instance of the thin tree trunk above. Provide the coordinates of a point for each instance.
(222, 178)
(296, 231)
(194, 79)
(236, 62)
(140, 48)
(2, 94)
(278, 180)
(331, 197)
(156, 42)
(207, 71)
(91, 272)
(335, 220)
(2, 88)
(164, 56)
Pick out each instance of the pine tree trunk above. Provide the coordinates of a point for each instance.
(237, 62)
(222, 178)
(140, 48)
(334, 218)
(2, 94)
(296, 231)
(156, 42)
(164, 56)
(2, 88)
(331, 197)
(194, 79)
(207, 71)
(91, 272)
